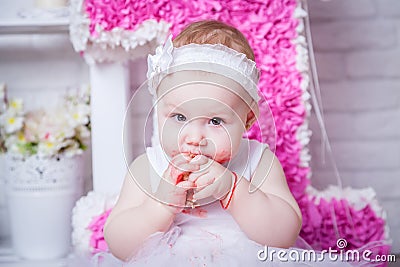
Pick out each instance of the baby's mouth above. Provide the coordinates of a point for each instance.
(192, 155)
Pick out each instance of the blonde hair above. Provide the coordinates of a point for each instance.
(214, 32)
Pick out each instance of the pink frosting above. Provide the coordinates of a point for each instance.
(270, 28)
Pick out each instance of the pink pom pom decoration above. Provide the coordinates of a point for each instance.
(96, 226)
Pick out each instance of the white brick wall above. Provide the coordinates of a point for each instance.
(381, 63)
(330, 66)
(350, 95)
(364, 126)
(357, 45)
(342, 9)
(363, 34)
(389, 8)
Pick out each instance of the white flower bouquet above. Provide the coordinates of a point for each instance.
(46, 133)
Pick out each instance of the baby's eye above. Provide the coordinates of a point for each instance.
(179, 117)
(216, 121)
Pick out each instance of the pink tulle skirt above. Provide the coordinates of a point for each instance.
(210, 237)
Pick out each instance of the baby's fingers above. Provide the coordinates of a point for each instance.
(204, 181)
(183, 187)
(194, 176)
(181, 158)
(178, 159)
(187, 167)
(204, 193)
(199, 160)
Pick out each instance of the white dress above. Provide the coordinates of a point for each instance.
(208, 235)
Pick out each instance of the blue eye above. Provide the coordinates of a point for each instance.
(179, 117)
(216, 121)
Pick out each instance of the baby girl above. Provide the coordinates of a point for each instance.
(202, 193)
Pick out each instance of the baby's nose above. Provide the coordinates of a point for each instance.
(195, 138)
(193, 134)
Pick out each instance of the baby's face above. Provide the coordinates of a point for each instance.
(201, 118)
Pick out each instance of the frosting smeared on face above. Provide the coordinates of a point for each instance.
(223, 156)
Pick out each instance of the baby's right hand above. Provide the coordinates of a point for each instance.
(171, 189)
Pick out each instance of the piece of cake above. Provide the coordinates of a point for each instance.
(184, 177)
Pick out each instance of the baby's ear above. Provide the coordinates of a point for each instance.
(250, 119)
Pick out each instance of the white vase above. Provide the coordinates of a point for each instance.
(41, 193)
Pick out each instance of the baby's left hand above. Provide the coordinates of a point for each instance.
(212, 179)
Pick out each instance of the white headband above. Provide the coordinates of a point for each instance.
(214, 58)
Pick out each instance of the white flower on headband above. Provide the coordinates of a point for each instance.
(161, 60)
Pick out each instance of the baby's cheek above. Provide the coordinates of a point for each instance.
(174, 152)
(222, 156)
(223, 149)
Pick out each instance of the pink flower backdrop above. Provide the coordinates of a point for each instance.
(274, 32)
